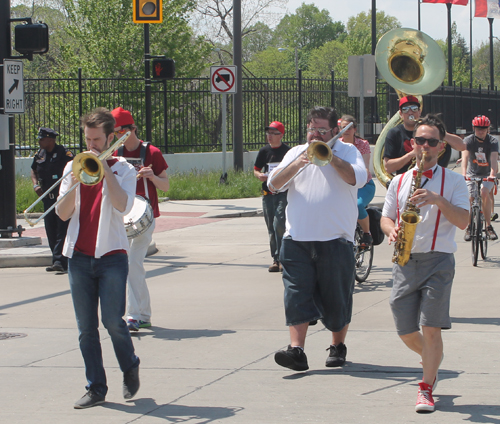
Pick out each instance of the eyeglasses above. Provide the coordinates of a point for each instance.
(322, 131)
(481, 128)
(413, 108)
(432, 142)
(273, 133)
(122, 131)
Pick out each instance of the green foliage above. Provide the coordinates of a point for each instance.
(105, 41)
(271, 62)
(330, 56)
(26, 196)
(198, 185)
(460, 57)
(307, 29)
(259, 37)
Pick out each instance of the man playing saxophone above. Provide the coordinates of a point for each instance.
(421, 289)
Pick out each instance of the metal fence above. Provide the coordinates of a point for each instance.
(187, 118)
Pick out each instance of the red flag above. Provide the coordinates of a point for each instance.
(487, 9)
(458, 2)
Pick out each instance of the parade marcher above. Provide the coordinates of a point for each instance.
(273, 204)
(480, 159)
(367, 192)
(151, 175)
(317, 249)
(398, 153)
(46, 169)
(420, 295)
(96, 245)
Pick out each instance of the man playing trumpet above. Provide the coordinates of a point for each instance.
(317, 250)
(421, 289)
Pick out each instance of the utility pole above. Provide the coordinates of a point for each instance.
(238, 97)
(7, 153)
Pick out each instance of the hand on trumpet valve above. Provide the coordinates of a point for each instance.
(146, 172)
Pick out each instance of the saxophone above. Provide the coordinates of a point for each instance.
(409, 220)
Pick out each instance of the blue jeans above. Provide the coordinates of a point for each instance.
(273, 207)
(365, 196)
(101, 280)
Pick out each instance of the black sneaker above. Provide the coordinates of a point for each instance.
(337, 355)
(49, 269)
(494, 216)
(57, 266)
(366, 241)
(89, 400)
(131, 383)
(293, 358)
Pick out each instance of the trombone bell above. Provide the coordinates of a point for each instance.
(319, 153)
(88, 169)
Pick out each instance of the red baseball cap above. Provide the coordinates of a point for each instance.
(409, 99)
(277, 126)
(122, 117)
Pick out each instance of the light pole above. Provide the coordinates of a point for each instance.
(283, 49)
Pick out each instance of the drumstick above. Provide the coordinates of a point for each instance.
(149, 166)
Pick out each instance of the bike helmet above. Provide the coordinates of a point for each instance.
(481, 121)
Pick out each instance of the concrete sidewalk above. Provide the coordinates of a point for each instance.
(217, 321)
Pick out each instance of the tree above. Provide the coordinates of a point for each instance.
(481, 64)
(359, 31)
(332, 56)
(214, 18)
(307, 29)
(271, 63)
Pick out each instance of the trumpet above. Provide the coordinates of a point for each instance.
(319, 153)
(87, 169)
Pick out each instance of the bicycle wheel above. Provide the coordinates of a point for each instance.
(363, 258)
(484, 238)
(475, 233)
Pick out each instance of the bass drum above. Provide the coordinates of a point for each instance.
(139, 219)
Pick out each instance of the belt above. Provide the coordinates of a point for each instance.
(265, 193)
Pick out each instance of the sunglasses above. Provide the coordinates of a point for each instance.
(432, 142)
(122, 131)
(322, 131)
(273, 133)
(413, 108)
(481, 128)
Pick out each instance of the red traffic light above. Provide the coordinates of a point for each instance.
(163, 68)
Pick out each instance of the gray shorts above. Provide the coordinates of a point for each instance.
(471, 185)
(421, 292)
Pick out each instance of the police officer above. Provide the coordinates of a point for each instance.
(48, 166)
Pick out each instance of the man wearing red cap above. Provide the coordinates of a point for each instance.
(152, 174)
(273, 205)
(398, 152)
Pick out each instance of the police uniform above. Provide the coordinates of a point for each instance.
(49, 167)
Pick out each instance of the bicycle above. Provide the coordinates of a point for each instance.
(477, 224)
(363, 257)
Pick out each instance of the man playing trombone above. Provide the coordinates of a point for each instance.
(317, 251)
(96, 245)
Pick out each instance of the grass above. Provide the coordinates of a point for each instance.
(196, 185)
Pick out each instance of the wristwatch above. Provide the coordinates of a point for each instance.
(35, 186)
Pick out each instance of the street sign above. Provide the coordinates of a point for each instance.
(13, 86)
(361, 73)
(222, 79)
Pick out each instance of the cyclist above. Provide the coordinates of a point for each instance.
(366, 193)
(480, 159)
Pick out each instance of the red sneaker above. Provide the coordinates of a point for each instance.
(425, 402)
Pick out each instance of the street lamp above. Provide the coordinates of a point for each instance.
(283, 49)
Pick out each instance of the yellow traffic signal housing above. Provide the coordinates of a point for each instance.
(148, 11)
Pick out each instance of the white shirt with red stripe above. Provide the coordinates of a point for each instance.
(434, 232)
(111, 233)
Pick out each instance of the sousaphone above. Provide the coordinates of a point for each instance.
(412, 63)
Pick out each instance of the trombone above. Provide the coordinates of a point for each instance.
(87, 169)
(319, 153)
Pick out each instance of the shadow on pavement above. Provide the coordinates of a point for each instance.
(179, 334)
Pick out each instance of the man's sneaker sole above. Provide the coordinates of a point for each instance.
(281, 358)
(144, 324)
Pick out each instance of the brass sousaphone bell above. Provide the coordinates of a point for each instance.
(412, 63)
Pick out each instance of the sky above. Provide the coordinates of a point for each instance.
(434, 17)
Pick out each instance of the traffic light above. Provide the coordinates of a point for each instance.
(148, 11)
(163, 68)
(32, 38)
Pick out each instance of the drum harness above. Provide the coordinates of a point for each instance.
(142, 155)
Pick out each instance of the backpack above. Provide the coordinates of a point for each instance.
(375, 214)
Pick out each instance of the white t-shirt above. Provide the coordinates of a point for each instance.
(321, 205)
(455, 191)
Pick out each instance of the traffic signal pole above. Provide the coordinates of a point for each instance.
(7, 161)
(147, 81)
